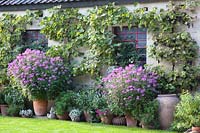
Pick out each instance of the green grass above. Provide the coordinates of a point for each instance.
(23, 125)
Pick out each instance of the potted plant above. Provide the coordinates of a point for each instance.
(127, 88)
(63, 104)
(148, 115)
(26, 113)
(105, 115)
(40, 77)
(85, 101)
(14, 99)
(187, 112)
(75, 115)
(3, 104)
(167, 98)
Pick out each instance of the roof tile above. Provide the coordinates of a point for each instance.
(27, 2)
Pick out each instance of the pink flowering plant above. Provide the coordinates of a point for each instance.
(103, 112)
(127, 88)
(39, 76)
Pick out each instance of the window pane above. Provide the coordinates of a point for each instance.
(142, 36)
(34, 37)
(136, 36)
(141, 44)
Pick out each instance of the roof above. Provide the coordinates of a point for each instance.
(16, 5)
(28, 2)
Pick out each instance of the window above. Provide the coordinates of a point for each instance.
(136, 37)
(35, 37)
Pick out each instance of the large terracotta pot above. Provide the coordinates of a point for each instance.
(196, 129)
(130, 121)
(167, 104)
(4, 109)
(65, 116)
(50, 104)
(119, 121)
(40, 107)
(88, 116)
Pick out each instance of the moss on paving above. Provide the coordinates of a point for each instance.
(23, 125)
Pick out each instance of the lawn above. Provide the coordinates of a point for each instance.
(23, 125)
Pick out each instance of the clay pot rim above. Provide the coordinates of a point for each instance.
(167, 95)
(196, 127)
(3, 105)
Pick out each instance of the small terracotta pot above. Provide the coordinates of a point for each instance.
(196, 129)
(119, 121)
(106, 119)
(130, 121)
(65, 116)
(4, 109)
(40, 107)
(88, 116)
(146, 126)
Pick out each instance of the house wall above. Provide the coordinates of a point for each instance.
(195, 30)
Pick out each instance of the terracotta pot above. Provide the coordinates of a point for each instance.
(40, 107)
(167, 104)
(65, 116)
(196, 129)
(130, 121)
(4, 109)
(106, 119)
(88, 116)
(146, 126)
(119, 121)
(50, 104)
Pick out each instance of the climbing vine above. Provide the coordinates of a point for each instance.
(11, 29)
(66, 26)
(92, 31)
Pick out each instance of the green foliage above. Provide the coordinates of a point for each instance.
(93, 32)
(2, 97)
(14, 110)
(65, 102)
(11, 29)
(178, 80)
(187, 112)
(125, 54)
(148, 114)
(15, 100)
(87, 99)
(33, 46)
(172, 45)
(13, 96)
(65, 26)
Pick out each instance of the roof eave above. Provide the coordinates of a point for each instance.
(75, 4)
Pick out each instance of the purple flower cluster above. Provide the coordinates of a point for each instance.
(129, 85)
(36, 70)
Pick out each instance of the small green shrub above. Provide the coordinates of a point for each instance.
(14, 110)
(15, 100)
(148, 114)
(65, 102)
(187, 112)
